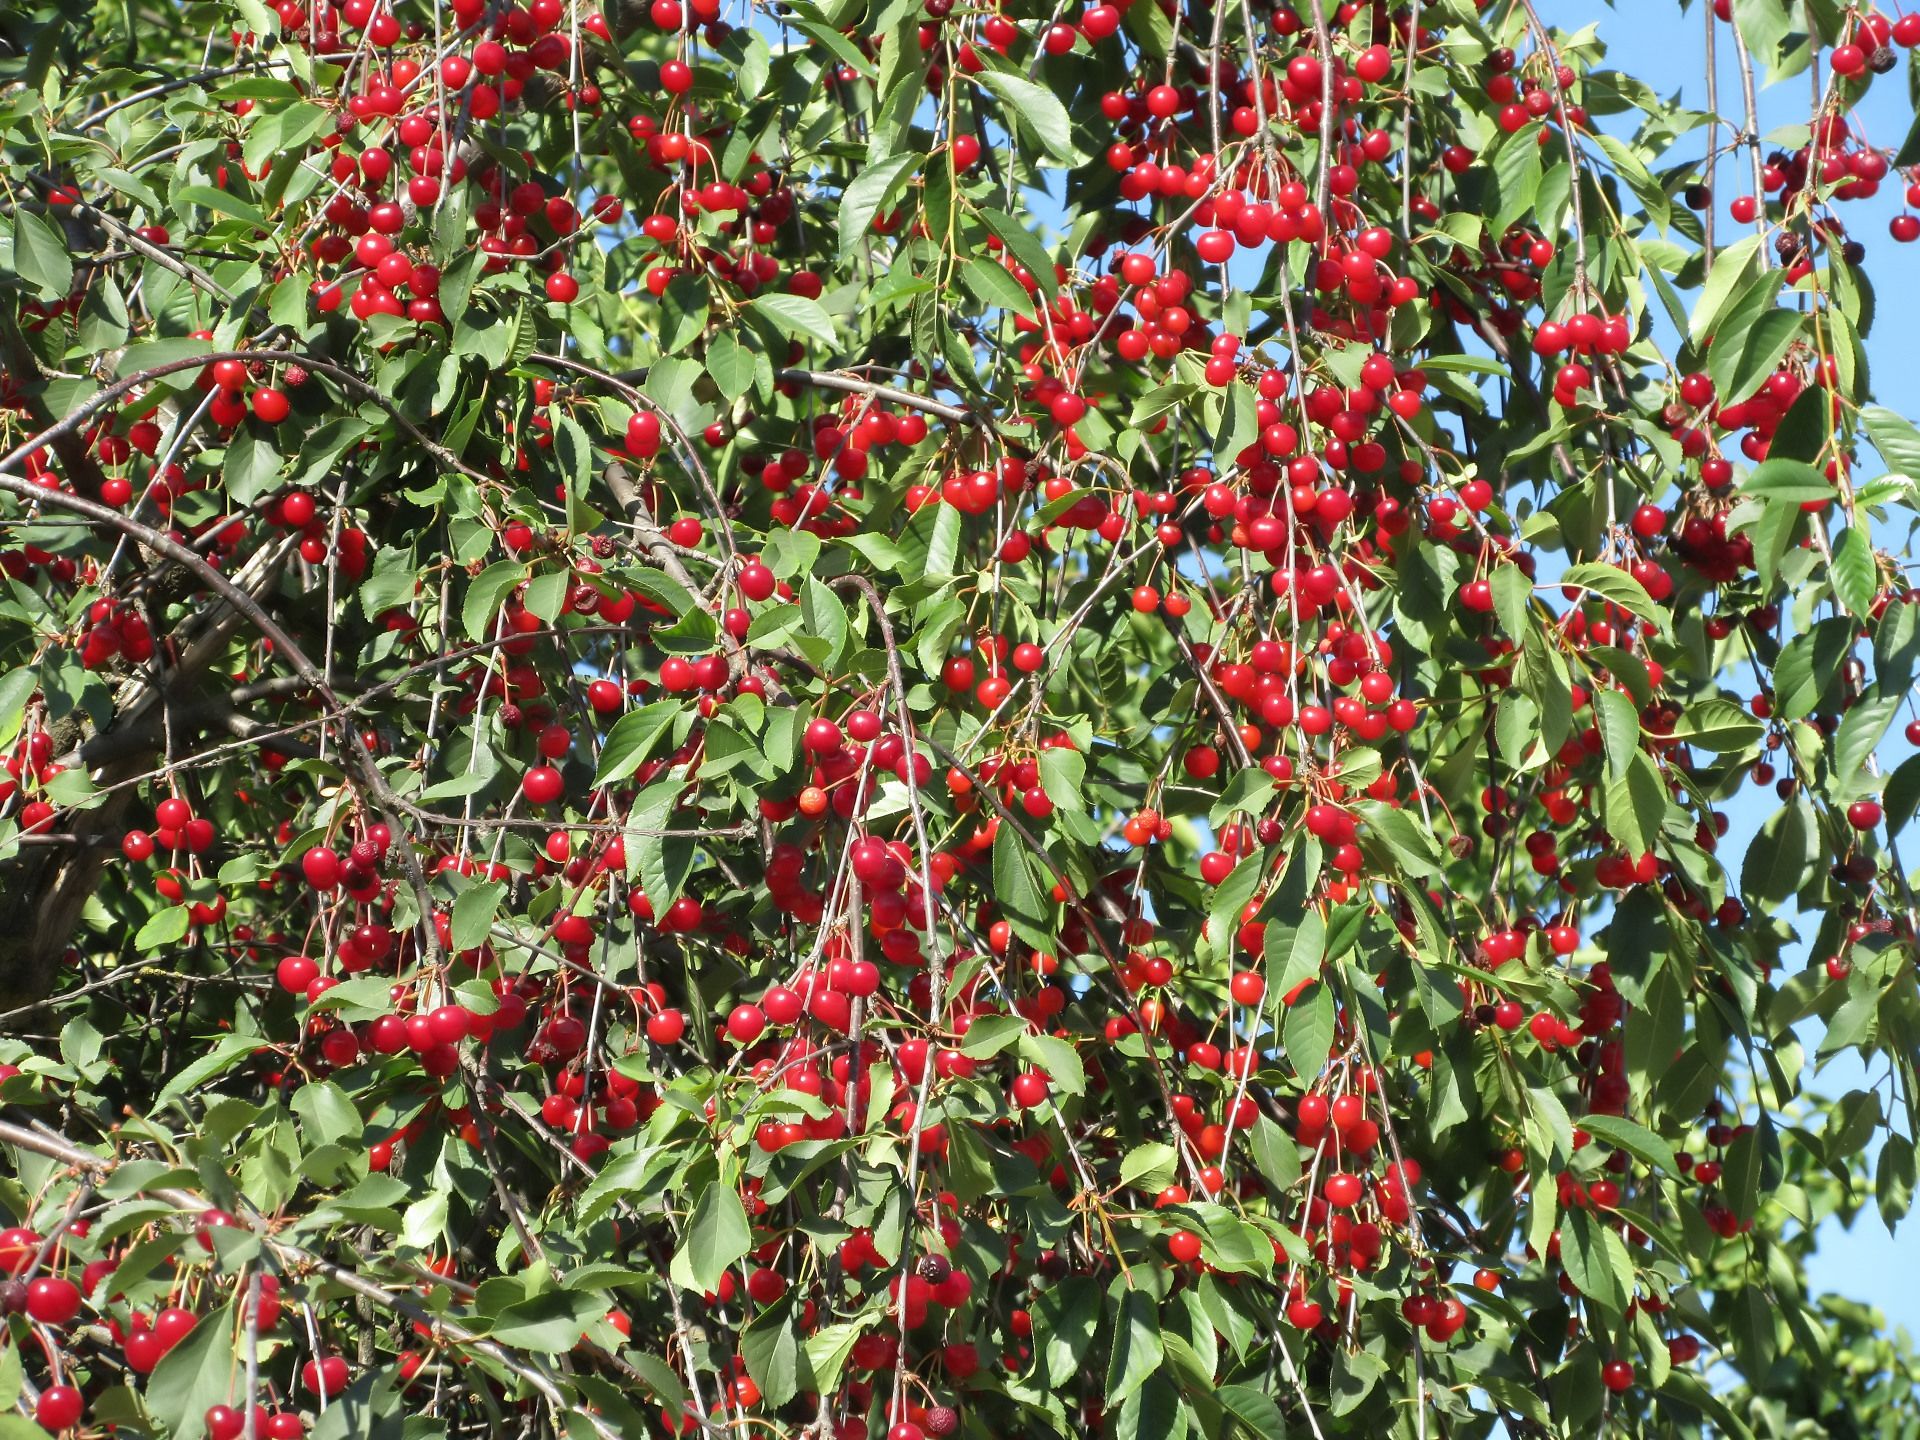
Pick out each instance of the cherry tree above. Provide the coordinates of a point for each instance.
(902, 718)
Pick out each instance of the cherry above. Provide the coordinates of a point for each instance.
(1030, 1089)
(1617, 1375)
(326, 1376)
(542, 785)
(52, 1300)
(745, 1024)
(59, 1408)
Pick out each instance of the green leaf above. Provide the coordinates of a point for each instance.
(1512, 597)
(1137, 1349)
(1058, 1059)
(1808, 667)
(1856, 577)
(1635, 1139)
(196, 1374)
(730, 363)
(16, 688)
(1739, 360)
(368, 1409)
(1742, 1179)
(1036, 108)
(1066, 1316)
(1153, 1412)
(1787, 481)
(684, 308)
(1019, 896)
(252, 465)
(1613, 584)
(1780, 859)
(1893, 1179)
(1619, 726)
(1150, 1166)
(632, 740)
(867, 194)
(1718, 725)
(990, 1034)
(1062, 772)
(797, 317)
(770, 1347)
(716, 1236)
(40, 255)
(993, 286)
(1517, 169)
(1308, 1032)
(827, 1350)
(1411, 846)
(1254, 1410)
(1893, 437)
(485, 594)
(1589, 1261)
(1636, 805)
(1736, 268)
(551, 1322)
(1022, 244)
(1861, 730)
(163, 927)
(473, 914)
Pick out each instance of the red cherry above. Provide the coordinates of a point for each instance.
(58, 1408)
(52, 1300)
(745, 1024)
(1030, 1089)
(542, 785)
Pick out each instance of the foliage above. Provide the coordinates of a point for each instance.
(894, 717)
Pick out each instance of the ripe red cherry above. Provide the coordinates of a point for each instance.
(562, 288)
(1247, 988)
(542, 785)
(52, 1300)
(756, 580)
(1617, 1375)
(782, 1006)
(1030, 1089)
(295, 973)
(271, 405)
(1864, 814)
(328, 1375)
(745, 1024)
(173, 1325)
(1184, 1246)
(58, 1408)
(1343, 1191)
(321, 868)
(643, 443)
(1303, 1314)
(667, 1027)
